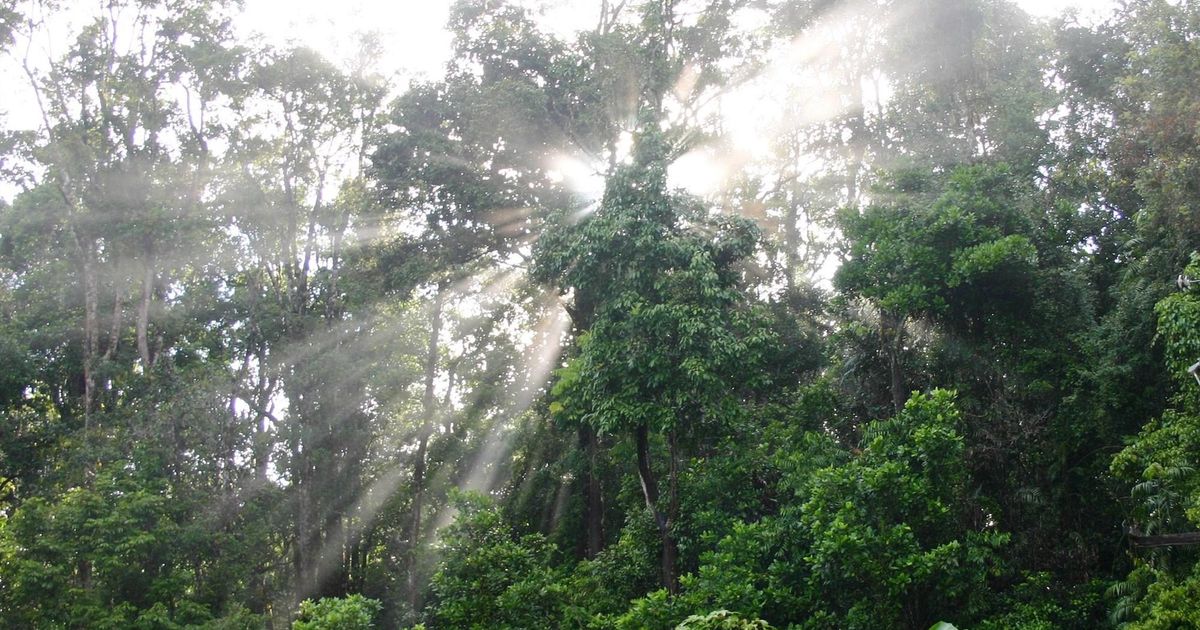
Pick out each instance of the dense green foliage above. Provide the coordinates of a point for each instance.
(568, 336)
(331, 613)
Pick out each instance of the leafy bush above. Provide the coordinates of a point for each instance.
(353, 612)
(722, 620)
(490, 578)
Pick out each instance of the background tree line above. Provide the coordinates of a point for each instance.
(285, 342)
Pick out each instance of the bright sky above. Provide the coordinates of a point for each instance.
(412, 32)
(1050, 8)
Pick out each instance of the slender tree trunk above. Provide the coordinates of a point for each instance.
(231, 430)
(333, 305)
(892, 328)
(858, 142)
(262, 447)
(143, 315)
(594, 506)
(428, 412)
(670, 550)
(91, 334)
(84, 571)
(114, 328)
(645, 474)
(263, 386)
(661, 519)
(301, 441)
(589, 443)
(791, 242)
(302, 559)
(305, 437)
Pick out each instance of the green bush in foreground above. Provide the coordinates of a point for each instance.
(353, 612)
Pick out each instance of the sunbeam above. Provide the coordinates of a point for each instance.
(541, 358)
(586, 181)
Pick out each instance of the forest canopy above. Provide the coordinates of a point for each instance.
(712, 314)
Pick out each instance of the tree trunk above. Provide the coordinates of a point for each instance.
(1187, 539)
(670, 550)
(858, 141)
(91, 334)
(594, 506)
(589, 442)
(143, 315)
(791, 241)
(661, 520)
(892, 329)
(302, 557)
(428, 412)
(304, 441)
(262, 448)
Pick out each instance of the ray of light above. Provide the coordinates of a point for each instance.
(540, 361)
(584, 180)
(360, 517)
(799, 87)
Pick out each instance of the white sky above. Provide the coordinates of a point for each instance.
(1051, 8)
(412, 33)
(413, 30)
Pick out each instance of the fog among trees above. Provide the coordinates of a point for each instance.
(715, 314)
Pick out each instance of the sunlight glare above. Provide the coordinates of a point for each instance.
(699, 172)
(624, 147)
(584, 180)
